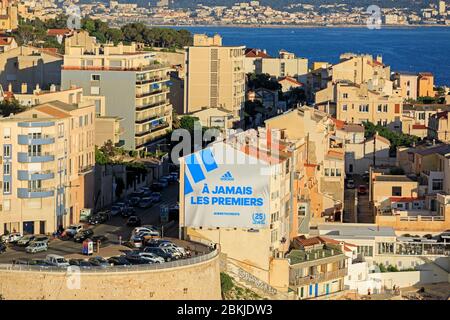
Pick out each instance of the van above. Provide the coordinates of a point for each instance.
(36, 246)
(57, 261)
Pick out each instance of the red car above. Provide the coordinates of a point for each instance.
(362, 189)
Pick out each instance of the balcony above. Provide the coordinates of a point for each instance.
(320, 277)
(151, 105)
(27, 140)
(153, 66)
(85, 170)
(24, 175)
(150, 93)
(151, 80)
(36, 124)
(156, 128)
(24, 157)
(25, 193)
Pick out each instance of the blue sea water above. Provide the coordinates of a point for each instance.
(413, 49)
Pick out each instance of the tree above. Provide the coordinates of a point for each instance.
(8, 107)
(176, 123)
(187, 122)
(263, 80)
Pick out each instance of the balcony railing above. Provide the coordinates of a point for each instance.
(105, 68)
(156, 128)
(24, 175)
(24, 157)
(320, 277)
(151, 80)
(150, 93)
(151, 105)
(36, 124)
(27, 140)
(25, 193)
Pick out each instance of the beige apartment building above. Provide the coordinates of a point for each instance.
(439, 126)
(47, 160)
(33, 66)
(134, 84)
(285, 65)
(9, 19)
(425, 85)
(215, 77)
(407, 83)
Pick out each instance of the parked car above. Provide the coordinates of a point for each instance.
(362, 189)
(137, 194)
(174, 252)
(41, 238)
(115, 210)
(56, 261)
(100, 238)
(160, 252)
(12, 237)
(167, 244)
(173, 176)
(73, 229)
(22, 262)
(152, 257)
(350, 184)
(365, 176)
(148, 229)
(134, 221)
(156, 187)
(83, 235)
(119, 261)
(156, 197)
(134, 201)
(40, 263)
(97, 219)
(2, 247)
(137, 259)
(80, 263)
(99, 262)
(128, 212)
(121, 205)
(25, 240)
(164, 182)
(145, 203)
(34, 247)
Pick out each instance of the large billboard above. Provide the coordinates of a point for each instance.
(226, 188)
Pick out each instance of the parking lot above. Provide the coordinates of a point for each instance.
(115, 230)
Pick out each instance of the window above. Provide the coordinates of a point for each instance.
(80, 122)
(397, 191)
(344, 107)
(385, 108)
(6, 205)
(364, 108)
(384, 124)
(60, 130)
(422, 116)
(438, 184)
(345, 95)
(6, 187)
(6, 133)
(7, 168)
(379, 108)
(95, 90)
(338, 172)
(327, 172)
(95, 77)
(34, 185)
(7, 151)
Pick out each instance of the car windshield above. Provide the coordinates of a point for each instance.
(60, 260)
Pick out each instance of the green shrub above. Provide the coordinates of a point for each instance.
(226, 283)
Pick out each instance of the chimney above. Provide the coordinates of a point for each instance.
(38, 89)
(52, 88)
(24, 88)
(10, 87)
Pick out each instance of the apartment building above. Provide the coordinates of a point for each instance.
(33, 66)
(407, 83)
(7, 43)
(358, 104)
(238, 193)
(106, 128)
(215, 77)
(9, 19)
(439, 126)
(317, 267)
(321, 168)
(47, 167)
(285, 65)
(133, 83)
(416, 118)
(425, 85)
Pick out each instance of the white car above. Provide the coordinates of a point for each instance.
(57, 261)
(152, 257)
(74, 229)
(170, 245)
(37, 246)
(12, 237)
(152, 231)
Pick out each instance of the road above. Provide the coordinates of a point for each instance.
(113, 229)
(363, 213)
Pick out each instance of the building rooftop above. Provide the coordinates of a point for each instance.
(442, 149)
(354, 230)
(394, 178)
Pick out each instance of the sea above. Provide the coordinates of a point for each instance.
(409, 49)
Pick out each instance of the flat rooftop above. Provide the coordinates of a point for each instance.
(394, 178)
(355, 230)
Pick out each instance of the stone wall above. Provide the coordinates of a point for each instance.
(191, 282)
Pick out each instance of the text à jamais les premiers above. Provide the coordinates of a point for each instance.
(218, 199)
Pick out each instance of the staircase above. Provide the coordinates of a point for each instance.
(249, 281)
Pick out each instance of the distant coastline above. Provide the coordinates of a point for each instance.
(297, 26)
